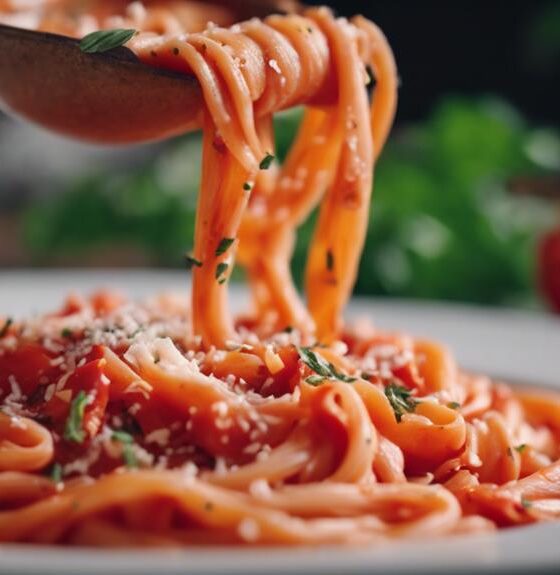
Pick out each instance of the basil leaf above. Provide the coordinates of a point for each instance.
(105, 40)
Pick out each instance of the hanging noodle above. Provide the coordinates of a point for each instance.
(161, 424)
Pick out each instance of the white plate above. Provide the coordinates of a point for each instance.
(516, 345)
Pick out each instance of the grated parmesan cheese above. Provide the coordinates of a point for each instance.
(249, 530)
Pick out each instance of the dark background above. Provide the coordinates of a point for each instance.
(508, 48)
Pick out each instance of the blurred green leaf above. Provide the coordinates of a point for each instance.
(443, 224)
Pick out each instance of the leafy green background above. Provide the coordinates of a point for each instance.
(443, 223)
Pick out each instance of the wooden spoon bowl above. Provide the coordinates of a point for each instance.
(109, 98)
(103, 98)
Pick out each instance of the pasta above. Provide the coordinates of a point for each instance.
(159, 423)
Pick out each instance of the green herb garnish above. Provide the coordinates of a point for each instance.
(341, 376)
(127, 442)
(314, 362)
(56, 473)
(122, 437)
(315, 380)
(224, 245)
(221, 269)
(192, 262)
(105, 40)
(453, 405)
(4, 329)
(400, 399)
(67, 333)
(521, 448)
(321, 367)
(73, 430)
(330, 260)
(247, 186)
(266, 162)
(525, 503)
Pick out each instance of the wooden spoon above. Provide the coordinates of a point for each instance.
(109, 98)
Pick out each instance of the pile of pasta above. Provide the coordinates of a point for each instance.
(120, 427)
(161, 423)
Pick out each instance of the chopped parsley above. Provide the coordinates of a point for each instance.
(247, 186)
(224, 245)
(314, 362)
(453, 405)
(73, 430)
(401, 400)
(323, 368)
(341, 376)
(122, 436)
(4, 329)
(127, 442)
(105, 40)
(330, 260)
(266, 162)
(525, 503)
(67, 333)
(315, 380)
(192, 262)
(56, 473)
(221, 269)
(288, 329)
(521, 448)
